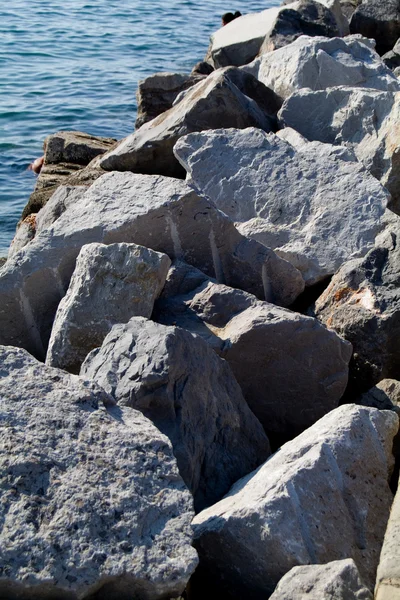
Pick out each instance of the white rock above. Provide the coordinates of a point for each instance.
(65, 196)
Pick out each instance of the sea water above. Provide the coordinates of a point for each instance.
(75, 65)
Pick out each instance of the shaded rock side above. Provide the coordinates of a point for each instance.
(190, 394)
(388, 574)
(337, 580)
(362, 305)
(92, 501)
(362, 119)
(322, 497)
(335, 7)
(378, 20)
(110, 284)
(156, 212)
(315, 213)
(392, 58)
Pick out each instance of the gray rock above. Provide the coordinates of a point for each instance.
(362, 119)
(110, 284)
(335, 7)
(388, 573)
(392, 58)
(318, 63)
(299, 142)
(362, 305)
(63, 197)
(213, 103)
(348, 7)
(156, 212)
(337, 580)
(252, 336)
(378, 20)
(92, 501)
(190, 394)
(315, 213)
(385, 395)
(322, 497)
(26, 231)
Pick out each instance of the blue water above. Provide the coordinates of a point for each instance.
(75, 64)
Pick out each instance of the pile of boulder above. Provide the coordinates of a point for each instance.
(200, 325)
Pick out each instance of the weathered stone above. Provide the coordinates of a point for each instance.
(190, 394)
(110, 285)
(315, 213)
(335, 7)
(318, 63)
(323, 496)
(213, 103)
(385, 395)
(337, 580)
(299, 142)
(348, 7)
(365, 120)
(156, 212)
(252, 336)
(26, 231)
(64, 196)
(378, 20)
(362, 305)
(92, 501)
(392, 58)
(388, 573)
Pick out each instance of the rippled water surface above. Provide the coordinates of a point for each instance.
(74, 64)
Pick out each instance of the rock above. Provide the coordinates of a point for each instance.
(92, 501)
(378, 20)
(337, 580)
(64, 196)
(318, 63)
(252, 336)
(213, 103)
(335, 7)
(322, 497)
(392, 58)
(362, 305)
(299, 142)
(156, 94)
(348, 7)
(110, 285)
(385, 395)
(388, 573)
(316, 214)
(65, 155)
(239, 42)
(152, 211)
(202, 68)
(190, 394)
(26, 231)
(364, 120)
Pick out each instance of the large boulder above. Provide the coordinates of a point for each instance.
(335, 7)
(239, 42)
(318, 63)
(315, 213)
(190, 394)
(378, 20)
(322, 497)
(337, 580)
(277, 377)
(92, 501)
(156, 212)
(213, 103)
(110, 284)
(362, 305)
(363, 119)
(388, 572)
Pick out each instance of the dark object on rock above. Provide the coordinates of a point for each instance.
(392, 58)
(229, 17)
(202, 68)
(379, 20)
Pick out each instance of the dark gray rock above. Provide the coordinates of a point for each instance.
(392, 58)
(378, 20)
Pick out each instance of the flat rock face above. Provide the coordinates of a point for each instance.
(190, 394)
(364, 120)
(92, 501)
(213, 103)
(315, 213)
(318, 63)
(276, 378)
(337, 580)
(378, 20)
(322, 497)
(63, 197)
(362, 305)
(110, 285)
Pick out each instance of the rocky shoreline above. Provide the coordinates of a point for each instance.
(199, 325)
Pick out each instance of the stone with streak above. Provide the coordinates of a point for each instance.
(322, 497)
(110, 284)
(92, 501)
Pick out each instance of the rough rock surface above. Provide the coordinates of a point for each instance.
(213, 103)
(388, 573)
(110, 284)
(385, 395)
(190, 394)
(378, 20)
(322, 497)
(92, 501)
(318, 63)
(156, 212)
(252, 336)
(63, 197)
(392, 58)
(362, 305)
(365, 120)
(26, 231)
(337, 580)
(315, 213)
(335, 7)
